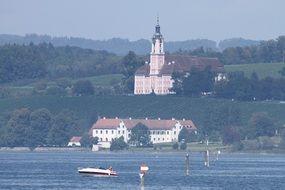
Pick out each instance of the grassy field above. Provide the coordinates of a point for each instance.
(143, 106)
(18, 89)
(104, 80)
(262, 69)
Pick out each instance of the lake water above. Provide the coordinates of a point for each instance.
(58, 170)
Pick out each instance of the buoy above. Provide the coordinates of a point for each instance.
(143, 170)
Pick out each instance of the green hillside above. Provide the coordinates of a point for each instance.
(143, 106)
(26, 88)
(262, 69)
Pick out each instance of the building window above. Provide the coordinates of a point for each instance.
(101, 132)
(174, 132)
(167, 132)
(119, 132)
(163, 139)
(107, 139)
(96, 132)
(153, 139)
(158, 132)
(158, 139)
(123, 132)
(112, 132)
(101, 139)
(106, 131)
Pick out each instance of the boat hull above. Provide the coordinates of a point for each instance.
(99, 172)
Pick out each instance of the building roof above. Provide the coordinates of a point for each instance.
(75, 139)
(152, 124)
(182, 63)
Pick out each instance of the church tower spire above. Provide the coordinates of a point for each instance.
(157, 51)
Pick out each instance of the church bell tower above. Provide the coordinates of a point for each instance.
(157, 52)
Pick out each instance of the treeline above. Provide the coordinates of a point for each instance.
(32, 128)
(236, 87)
(264, 52)
(224, 123)
(239, 87)
(46, 61)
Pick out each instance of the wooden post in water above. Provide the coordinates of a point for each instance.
(206, 157)
(187, 164)
(207, 154)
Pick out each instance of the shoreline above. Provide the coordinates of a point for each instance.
(81, 149)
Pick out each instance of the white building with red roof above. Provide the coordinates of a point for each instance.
(161, 131)
(74, 141)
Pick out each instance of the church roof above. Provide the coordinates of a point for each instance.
(143, 70)
(182, 63)
(152, 124)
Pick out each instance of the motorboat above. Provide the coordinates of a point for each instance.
(98, 171)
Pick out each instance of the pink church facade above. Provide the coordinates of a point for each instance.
(156, 76)
(149, 78)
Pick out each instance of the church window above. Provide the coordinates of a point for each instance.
(101, 139)
(119, 132)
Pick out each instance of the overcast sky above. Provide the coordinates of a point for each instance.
(135, 19)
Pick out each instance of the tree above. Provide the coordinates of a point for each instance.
(184, 135)
(131, 62)
(183, 146)
(118, 144)
(87, 140)
(261, 124)
(18, 126)
(230, 135)
(177, 85)
(175, 146)
(40, 124)
(198, 81)
(65, 126)
(140, 135)
(83, 87)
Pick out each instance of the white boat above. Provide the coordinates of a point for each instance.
(98, 171)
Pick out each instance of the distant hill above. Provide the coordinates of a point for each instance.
(115, 45)
(236, 42)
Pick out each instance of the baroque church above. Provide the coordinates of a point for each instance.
(155, 76)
